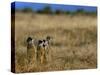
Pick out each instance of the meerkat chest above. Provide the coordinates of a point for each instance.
(31, 49)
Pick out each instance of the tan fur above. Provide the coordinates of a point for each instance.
(41, 55)
(31, 54)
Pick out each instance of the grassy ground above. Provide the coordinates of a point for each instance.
(74, 41)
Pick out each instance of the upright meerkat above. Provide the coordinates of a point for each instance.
(31, 50)
(43, 52)
(47, 43)
(40, 52)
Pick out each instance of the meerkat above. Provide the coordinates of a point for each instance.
(47, 43)
(43, 52)
(40, 52)
(31, 50)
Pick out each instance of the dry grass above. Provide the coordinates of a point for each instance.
(74, 41)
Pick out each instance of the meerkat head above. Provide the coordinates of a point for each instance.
(30, 41)
(45, 43)
(49, 39)
(40, 43)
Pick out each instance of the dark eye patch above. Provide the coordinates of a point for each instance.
(29, 39)
(40, 41)
(44, 41)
